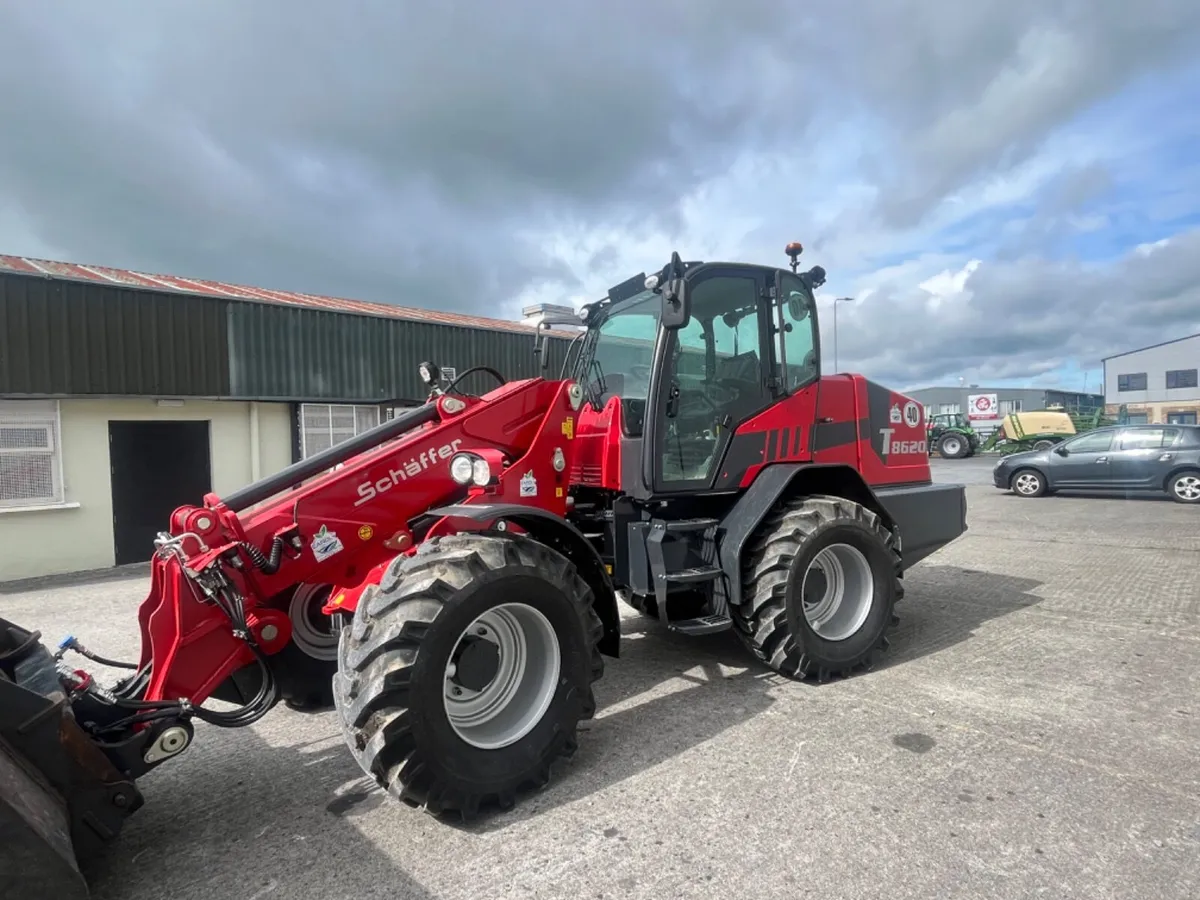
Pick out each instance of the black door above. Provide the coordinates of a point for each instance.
(156, 467)
(713, 378)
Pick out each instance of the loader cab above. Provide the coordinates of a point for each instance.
(701, 349)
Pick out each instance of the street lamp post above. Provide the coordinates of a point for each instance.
(835, 309)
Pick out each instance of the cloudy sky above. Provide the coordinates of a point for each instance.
(1010, 190)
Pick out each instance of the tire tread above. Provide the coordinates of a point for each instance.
(381, 646)
(761, 619)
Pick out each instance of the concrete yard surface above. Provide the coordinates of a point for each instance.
(1034, 731)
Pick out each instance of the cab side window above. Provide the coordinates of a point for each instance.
(796, 363)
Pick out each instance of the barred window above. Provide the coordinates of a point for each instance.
(30, 458)
(325, 425)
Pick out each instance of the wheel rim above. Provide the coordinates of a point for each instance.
(495, 695)
(1188, 487)
(837, 592)
(951, 446)
(312, 630)
(1026, 483)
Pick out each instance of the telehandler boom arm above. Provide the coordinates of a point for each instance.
(339, 526)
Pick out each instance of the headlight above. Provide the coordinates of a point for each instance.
(462, 468)
(481, 472)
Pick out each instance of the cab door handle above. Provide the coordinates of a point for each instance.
(1101, 459)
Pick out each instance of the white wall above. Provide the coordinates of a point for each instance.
(79, 535)
(1155, 362)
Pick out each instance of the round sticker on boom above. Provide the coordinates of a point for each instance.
(912, 414)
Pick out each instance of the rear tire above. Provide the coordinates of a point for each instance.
(1043, 444)
(393, 689)
(953, 446)
(1184, 487)
(841, 542)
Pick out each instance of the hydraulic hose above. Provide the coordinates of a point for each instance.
(266, 565)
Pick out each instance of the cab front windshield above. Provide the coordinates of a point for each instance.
(617, 356)
(622, 350)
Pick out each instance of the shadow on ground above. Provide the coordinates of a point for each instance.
(724, 686)
(694, 689)
(1142, 496)
(945, 605)
(244, 819)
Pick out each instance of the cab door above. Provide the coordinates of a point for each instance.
(713, 376)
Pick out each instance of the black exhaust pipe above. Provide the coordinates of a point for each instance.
(327, 459)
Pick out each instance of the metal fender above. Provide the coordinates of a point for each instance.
(556, 532)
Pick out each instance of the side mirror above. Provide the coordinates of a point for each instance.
(676, 307)
(1061, 450)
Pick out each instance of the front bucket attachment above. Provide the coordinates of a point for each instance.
(35, 836)
(61, 799)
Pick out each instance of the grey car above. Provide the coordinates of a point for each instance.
(1126, 458)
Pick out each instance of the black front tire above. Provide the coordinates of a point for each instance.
(392, 668)
(1028, 483)
(770, 620)
(305, 668)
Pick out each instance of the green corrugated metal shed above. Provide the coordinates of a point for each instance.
(62, 338)
(307, 354)
(71, 330)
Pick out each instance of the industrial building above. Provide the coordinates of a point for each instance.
(986, 407)
(124, 395)
(1156, 384)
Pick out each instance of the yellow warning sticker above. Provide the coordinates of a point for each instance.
(558, 492)
(365, 533)
(568, 427)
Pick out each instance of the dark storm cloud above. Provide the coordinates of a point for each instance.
(403, 152)
(366, 148)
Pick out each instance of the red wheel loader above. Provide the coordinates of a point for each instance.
(449, 582)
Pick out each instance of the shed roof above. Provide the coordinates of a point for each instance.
(195, 286)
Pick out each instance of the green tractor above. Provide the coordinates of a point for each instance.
(952, 436)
